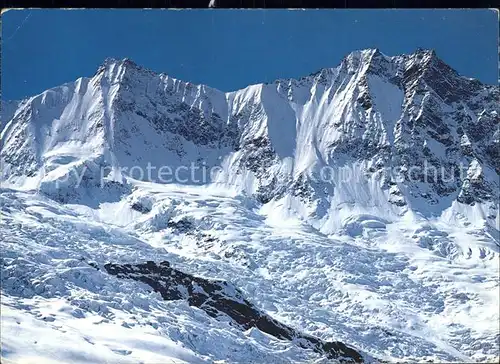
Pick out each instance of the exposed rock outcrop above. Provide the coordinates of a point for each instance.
(221, 298)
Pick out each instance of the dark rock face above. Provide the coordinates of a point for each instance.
(21, 154)
(182, 226)
(140, 208)
(442, 120)
(146, 96)
(259, 155)
(192, 124)
(188, 122)
(221, 298)
(447, 121)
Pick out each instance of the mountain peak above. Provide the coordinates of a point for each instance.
(125, 64)
(425, 51)
(362, 55)
(110, 61)
(429, 58)
(374, 60)
(123, 70)
(363, 52)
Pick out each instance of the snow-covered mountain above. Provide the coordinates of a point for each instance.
(358, 204)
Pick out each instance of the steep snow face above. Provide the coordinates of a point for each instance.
(394, 125)
(53, 132)
(371, 189)
(388, 134)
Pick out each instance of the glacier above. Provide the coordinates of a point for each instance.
(358, 205)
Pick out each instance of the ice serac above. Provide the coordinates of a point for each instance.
(358, 203)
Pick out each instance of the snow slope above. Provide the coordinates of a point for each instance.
(399, 266)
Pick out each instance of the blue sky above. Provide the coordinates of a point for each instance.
(229, 49)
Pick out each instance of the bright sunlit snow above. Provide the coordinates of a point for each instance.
(398, 270)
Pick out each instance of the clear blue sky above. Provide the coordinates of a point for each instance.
(229, 49)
